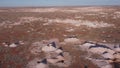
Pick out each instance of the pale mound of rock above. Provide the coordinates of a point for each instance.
(53, 53)
(13, 45)
(109, 53)
(71, 40)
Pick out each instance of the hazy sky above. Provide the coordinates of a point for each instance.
(9, 3)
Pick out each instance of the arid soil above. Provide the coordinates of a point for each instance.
(29, 25)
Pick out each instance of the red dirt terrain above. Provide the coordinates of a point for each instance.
(30, 25)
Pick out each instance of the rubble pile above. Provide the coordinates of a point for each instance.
(109, 53)
(54, 55)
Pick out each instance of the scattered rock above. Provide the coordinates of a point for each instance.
(12, 45)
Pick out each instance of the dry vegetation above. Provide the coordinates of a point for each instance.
(100, 24)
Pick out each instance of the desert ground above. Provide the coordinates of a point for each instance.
(69, 27)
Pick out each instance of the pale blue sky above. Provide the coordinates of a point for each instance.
(16, 3)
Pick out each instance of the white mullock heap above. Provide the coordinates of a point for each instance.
(108, 52)
(54, 54)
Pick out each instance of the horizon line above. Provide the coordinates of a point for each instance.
(57, 6)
